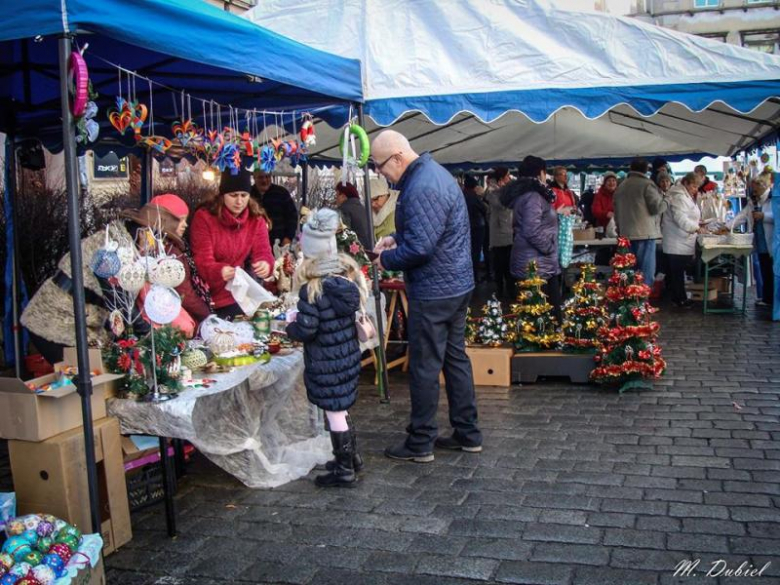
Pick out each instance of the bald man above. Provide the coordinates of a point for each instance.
(432, 246)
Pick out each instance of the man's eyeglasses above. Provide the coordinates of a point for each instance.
(378, 166)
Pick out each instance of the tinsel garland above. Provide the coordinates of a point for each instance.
(624, 333)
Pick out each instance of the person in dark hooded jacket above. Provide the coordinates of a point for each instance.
(325, 322)
(535, 226)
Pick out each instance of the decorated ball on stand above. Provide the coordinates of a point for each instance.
(132, 277)
(162, 304)
(168, 272)
(222, 342)
(194, 359)
(126, 255)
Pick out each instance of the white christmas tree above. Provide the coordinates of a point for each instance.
(492, 328)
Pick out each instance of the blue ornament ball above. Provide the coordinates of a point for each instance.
(30, 536)
(55, 563)
(9, 579)
(17, 547)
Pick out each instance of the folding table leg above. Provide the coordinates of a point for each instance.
(170, 510)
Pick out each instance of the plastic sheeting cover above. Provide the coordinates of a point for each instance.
(255, 422)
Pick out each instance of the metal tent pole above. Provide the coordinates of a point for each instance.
(384, 385)
(147, 170)
(304, 183)
(10, 192)
(84, 379)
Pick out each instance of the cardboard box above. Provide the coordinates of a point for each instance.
(51, 477)
(586, 234)
(70, 358)
(27, 416)
(492, 366)
(696, 291)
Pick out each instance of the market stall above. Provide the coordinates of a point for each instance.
(485, 87)
(44, 46)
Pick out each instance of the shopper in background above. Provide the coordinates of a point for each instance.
(353, 214)
(681, 223)
(760, 219)
(383, 202)
(279, 207)
(477, 209)
(501, 234)
(565, 200)
(638, 203)
(535, 226)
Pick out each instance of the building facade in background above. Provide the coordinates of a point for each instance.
(754, 24)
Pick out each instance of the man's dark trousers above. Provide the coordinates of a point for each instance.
(436, 342)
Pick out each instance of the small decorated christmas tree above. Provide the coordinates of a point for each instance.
(472, 325)
(629, 355)
(583, 314)
(536, 327)
(492, 328)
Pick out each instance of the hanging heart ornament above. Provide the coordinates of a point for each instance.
(121, 117)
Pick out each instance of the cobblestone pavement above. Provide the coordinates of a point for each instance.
(576, 485)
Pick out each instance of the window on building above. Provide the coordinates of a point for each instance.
(706, 3)
(766, 41)
(759, 1)
(718, 36)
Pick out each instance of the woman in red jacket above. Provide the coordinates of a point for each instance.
(229, 232)
(603, 202)
(565, 201)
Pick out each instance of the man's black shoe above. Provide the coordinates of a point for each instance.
(403, 453)
(453, 444)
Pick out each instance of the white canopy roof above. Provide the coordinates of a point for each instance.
(506, 78)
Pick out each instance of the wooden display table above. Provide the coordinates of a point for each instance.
(397, 292)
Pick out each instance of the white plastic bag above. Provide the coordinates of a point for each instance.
(247, 292)
(611, 231)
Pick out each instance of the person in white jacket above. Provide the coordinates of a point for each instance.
(761, 221)
(681, 222)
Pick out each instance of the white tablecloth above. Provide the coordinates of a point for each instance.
(709, 252)
(255, 422)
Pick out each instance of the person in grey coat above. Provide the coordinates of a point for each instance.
(353, 214)
(535, 226)
(638, 202)
(501, 233)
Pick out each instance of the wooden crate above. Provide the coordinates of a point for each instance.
(696, 290)
(492, 366)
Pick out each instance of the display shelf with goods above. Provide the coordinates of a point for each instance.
(629, 356)
(583, 313)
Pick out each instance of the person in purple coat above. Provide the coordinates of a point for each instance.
(535, 226)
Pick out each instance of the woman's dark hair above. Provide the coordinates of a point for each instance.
(499, 173)
(215, 204)
(531, 166)
(470, 182)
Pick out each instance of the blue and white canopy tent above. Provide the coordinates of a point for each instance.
(189, 46)
(488, 82)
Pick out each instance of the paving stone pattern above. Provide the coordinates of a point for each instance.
(576, 485)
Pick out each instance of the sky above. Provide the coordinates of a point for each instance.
(617, 7)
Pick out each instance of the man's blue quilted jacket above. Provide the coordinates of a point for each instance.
(433, 237)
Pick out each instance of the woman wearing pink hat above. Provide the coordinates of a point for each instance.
(169, 212)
